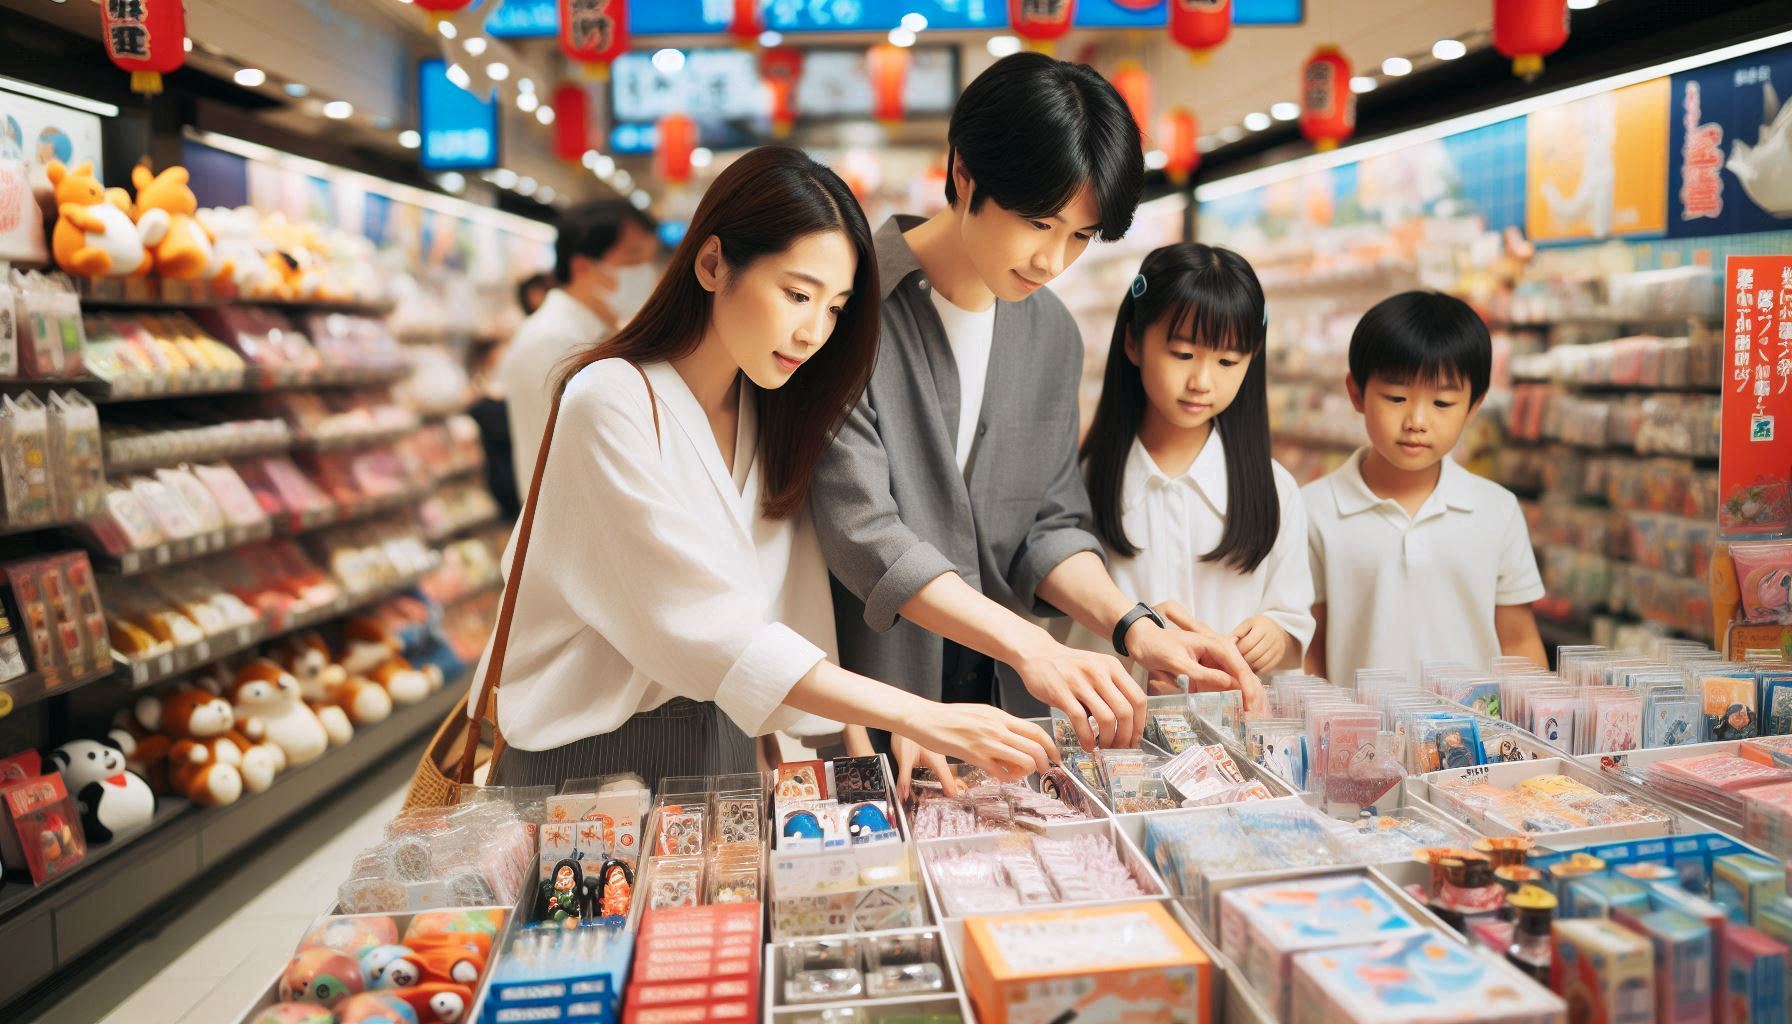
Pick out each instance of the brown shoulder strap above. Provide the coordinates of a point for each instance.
(507, 610)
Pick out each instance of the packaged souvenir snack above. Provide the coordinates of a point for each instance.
(42, 835)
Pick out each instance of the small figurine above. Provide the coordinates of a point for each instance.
(560, 895)
(618, 888)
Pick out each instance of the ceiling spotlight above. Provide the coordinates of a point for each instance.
(623, 181)
(1207, 143)
(250, 78)
(505, 178)
(589, 159)
(1156, 160)
(458, 75)
(527, 102)
(545, 194)
(544, 114)
(702, 156)
(1285, 111)
(525, 186)
(769, 39)
(1003, 46)
(1362, 84)
(452, 181)
(641, 200)
(1448, 49)
(900, 36)
(1256, 120)
(525, 85)
(297, 90)
(497, 71)
(1394, 67)
(475, 45)
(447, 29)
(916, 23)
(668, 61)
(604, 167)
(409, 139)
(186, 43)
(1582, 5)
(339, 110)
(1231, 133)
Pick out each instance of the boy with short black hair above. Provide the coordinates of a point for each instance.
(1415, 558)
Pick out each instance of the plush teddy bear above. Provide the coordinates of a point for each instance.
(341, 701)
(165, 209)
(266, 697)
(372, 651)
(192, 748)
(95, 235)
(240, 246)
(112, 799)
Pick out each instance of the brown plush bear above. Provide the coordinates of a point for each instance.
(372, 651)
(342, 702)
(193, 749)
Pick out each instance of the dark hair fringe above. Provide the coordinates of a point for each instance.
(1032, 132)
(1216, 293)
(1423, 336)
(591, 229)
(760, 205)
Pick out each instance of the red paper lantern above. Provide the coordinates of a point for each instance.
(672, 157)
(887, 67)
(747, 23)
(1327, 106)
(1134, 86)
(782, 69)
(1200, 25)
(594, 33)
(440, 10)
(1528, 31)
(148, 38)
(1040, 23)
(1180, 144)
(572, 123)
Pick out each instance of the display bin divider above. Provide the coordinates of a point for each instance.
(1506, 775)
(1628, 768)
(951, 1000)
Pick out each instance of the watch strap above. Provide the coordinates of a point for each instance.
(1139, 611)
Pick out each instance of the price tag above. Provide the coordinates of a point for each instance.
(164, 664)
(202, 651)
(5, 704)
(163, 554)
(1476, 772)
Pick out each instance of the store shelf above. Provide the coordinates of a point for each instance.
(48, 928)
(303, 522)
(154, 671)
(133, 563)
(139, 465)
(163, 294)
(459, 530)
(362, 439)
(35, 686)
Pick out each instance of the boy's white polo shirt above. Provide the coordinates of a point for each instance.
(1399, 590)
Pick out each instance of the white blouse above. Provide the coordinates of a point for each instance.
(652, 573)
(1173, 521)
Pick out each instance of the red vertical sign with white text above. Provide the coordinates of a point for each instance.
(1757, 404)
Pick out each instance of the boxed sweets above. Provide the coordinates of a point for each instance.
(1604, 968)
(1420, 979)
(1131, 962)
(1263, 927)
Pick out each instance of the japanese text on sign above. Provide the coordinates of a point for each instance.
(128, 37)
(1756, 454)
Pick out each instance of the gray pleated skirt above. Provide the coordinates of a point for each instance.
(680, 737)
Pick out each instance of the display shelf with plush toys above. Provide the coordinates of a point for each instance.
(47, 928)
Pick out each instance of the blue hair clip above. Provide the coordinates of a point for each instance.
(1138, 286)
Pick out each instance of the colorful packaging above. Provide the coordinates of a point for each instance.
(1263, 927)
(1604, 971)
(1420, 979)
(1602, 895)
(1685, 965)
(1732, 707)
(1743, 881)
(1130, 962)
(42, 835)
(1755, 978)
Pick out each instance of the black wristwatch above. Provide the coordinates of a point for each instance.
(1140, 611)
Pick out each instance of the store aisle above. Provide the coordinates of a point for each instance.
(237, 936)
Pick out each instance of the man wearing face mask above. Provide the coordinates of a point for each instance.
(603, 272)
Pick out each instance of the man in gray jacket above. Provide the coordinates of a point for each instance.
(950, 508)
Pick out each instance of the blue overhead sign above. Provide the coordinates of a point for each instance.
(460, 130)
(524, 19)
(704, 17)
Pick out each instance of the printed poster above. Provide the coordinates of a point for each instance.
(1730, 148)
(1757, 401)
(32, 133)
(1597, 167)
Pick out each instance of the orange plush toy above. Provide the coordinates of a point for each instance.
(195, 750)
(341, 701)
(165, 213)
(372, 651)
(94, 234)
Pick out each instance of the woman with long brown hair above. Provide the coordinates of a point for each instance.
(677, 603)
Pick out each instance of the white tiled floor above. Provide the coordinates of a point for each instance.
(236, 937)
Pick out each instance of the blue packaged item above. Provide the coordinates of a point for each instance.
(572, 975)
(1776, 702)
(1685, 965)
(1755, 977)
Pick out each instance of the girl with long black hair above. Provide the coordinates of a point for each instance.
(676, 603)
(1194, 513)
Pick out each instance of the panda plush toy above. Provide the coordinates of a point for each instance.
(112, 800)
